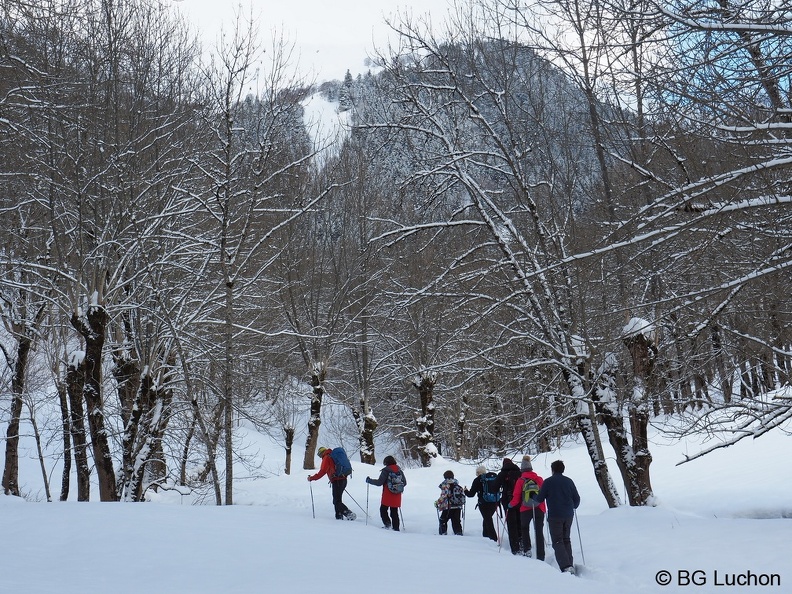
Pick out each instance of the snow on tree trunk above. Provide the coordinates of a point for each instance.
(644, 354)
(288, 433)
(318, 375)
(366, 424)
(93, 328)
(425, 383)
(75, 381)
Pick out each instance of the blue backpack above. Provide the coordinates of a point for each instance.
(343, 467)
(489, 493)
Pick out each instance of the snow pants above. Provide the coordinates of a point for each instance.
(393, 520)
(537, 515)
(455, 515)
(513, 527)
(338, 487)
(560, 530)
(488, 525)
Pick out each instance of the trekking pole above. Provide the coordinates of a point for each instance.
(367, 501)
(501, 528)
(402, 519)
(313, 509)
(356, 503)
(580, 540)
(464, 505)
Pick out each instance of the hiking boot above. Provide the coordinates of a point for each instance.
(349, 515)
(570, 569)
(528, 553)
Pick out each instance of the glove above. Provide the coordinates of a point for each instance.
(309, 478)
(436, 504)
(368, 480)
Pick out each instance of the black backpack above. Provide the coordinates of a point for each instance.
(489, 492)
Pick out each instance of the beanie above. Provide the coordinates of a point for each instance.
(321, 451)
(525, 465)
(507, 462)
(480, 470)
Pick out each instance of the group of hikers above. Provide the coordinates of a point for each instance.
(516, 493)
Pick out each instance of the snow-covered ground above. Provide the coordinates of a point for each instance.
(726, 517)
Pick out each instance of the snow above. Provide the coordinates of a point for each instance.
(725, 515)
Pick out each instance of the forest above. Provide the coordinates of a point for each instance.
(546, 220)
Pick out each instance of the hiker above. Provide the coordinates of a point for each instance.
(507, 478)
(562, 500)
(450, 504)
(392, 481)
(527, 486)
(488, 496)
(337, 483)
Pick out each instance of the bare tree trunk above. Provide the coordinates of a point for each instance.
(63, 400)
(75, 381)
(94, 334)
(288, 433)
(644, 354)
(367, 424)
(11, 471)
(425, 383)
(318, 375)
(39, 450)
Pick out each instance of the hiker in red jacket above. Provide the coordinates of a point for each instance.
(337, 483)
(529, 511)
(392, 481)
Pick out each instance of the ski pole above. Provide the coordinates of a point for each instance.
(367, 501)
(580, 540)
(313, 509)
(402, 519)
(356, 503)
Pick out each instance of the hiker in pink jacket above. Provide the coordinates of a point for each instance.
(527, 485)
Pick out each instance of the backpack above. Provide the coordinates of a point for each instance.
(395, 481)
(489, 493)
(456, 495)
(343, 467)
(530, 488)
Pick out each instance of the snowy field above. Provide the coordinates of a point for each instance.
(722, 519)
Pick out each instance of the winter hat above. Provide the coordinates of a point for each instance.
(389, 461)
(507, 462)
(448, 474)
(525, 465)
(321, 451)
(480, 470)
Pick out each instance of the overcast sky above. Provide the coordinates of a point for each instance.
(331, 36)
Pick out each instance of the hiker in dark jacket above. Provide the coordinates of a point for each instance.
(391, 502)
(528, 511)
(448, 508)
(337, 483)
(487, 508)
(507, 478)
(562, 500)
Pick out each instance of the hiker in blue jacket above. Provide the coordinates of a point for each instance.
(562, 500)
(488, 498)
